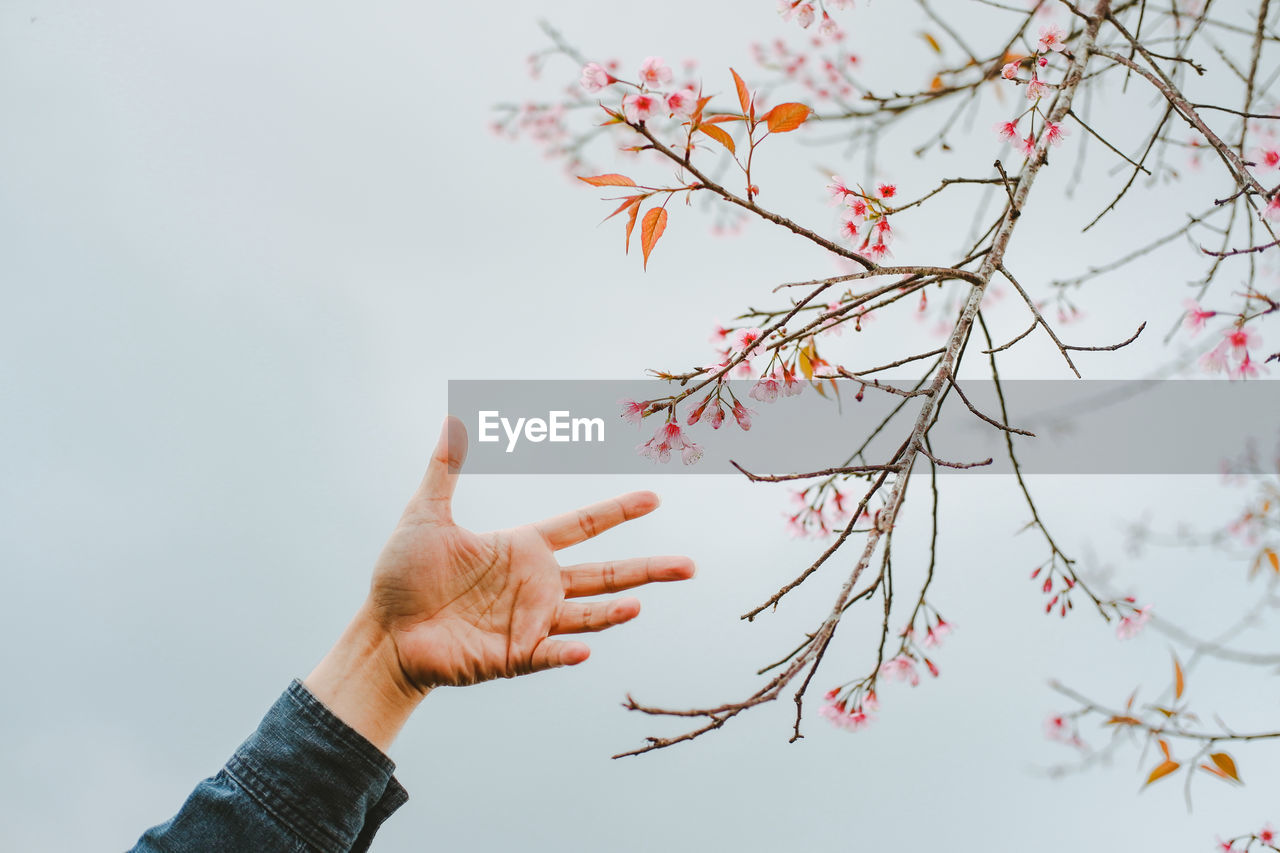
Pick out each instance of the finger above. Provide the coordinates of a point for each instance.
(575, 618)
(561, 531)
(549, 654)
(601, 578)
(435, 494)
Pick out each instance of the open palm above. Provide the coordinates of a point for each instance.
(463, 607)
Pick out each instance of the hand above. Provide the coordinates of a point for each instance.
(448, 606)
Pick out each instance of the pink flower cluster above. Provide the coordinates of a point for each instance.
(1265, 836)
(864, 216)
(668, 438)
(647, 101)
(1050, 42)
(1133, 623)
(772, 384)
(829, 511)
(851, 714)
(1061, 595)
(804, 13)
(1232, 353)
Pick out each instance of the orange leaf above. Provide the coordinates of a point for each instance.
(696, 118)
(1164, 747)
(933, 42)
(720, 118)
(609, 181)
(936, 83)
(785, 117)
(719, 136)
(631, 224)
(1123, 721)
(626, 202)
(744, 97)
(651, 228)
(1226, 764)
(1162, 771)
(1179, 681)
(1274, 559)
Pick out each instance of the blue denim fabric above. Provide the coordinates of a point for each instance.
(304, 781)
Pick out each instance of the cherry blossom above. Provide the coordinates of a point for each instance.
(1007, 129)
(742, 415)
(855, 207)
(632, 411)
(1267, 835)
(1196, 315)
(1273, 208)
(681, 102)
(670, 437)
(805, 14)
(849, 230)
(1055, 132)
(1026, 146)
(1036, 89)
(1051, 39)
(1240, 338)
(766, 390)
(1133, 623)
(595, 78)
(878, 251)
(654, 72)
(887, 190)
(1246, 368)
(1010, 70)
(829, 27)
(745, 338)
(902, 668)
(837, 189)
(641, 106)
(1268, 158)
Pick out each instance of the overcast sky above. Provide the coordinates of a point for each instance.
(244, 246)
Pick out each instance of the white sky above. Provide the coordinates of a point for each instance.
(243, 248)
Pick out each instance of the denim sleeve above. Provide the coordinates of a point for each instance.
(304, 781)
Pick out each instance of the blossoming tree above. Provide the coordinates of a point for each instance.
(1039, 62)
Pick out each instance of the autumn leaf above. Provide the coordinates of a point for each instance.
(1274, 559)
(626, 202)
(1164, 747)
(631, 224)
(744, 97)
(1123, 721)
(1224, 766)
(936, 83)
(696, 118)
(786, 117)
(719, 136)
(610, 180)
(651, 228)
(1164, 769)
(806, 361)
(1179, 681)
(932, 42)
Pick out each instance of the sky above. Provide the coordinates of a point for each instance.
(243, 248)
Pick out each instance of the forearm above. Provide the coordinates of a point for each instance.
(360, 680)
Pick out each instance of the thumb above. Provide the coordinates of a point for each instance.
(435, 495)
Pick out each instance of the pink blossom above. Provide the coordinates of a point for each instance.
(1007, 129)
(902, 668)
(1267, 835)
(631, 411)
(855, 207)
(1133, 623)
(691, 453)
(766, 390)
(641, 106)
(667, 438)
(882, 230)
(837, 189)
(933, 667)
(1055, 132)
(1240, 338)
(786, 8)
(805, 14)
(1269, 158)
(887, 190)
(1273, 208)
(1247, 368)
(1010, 70)
(1196, 315)
(1056, 728)
(791, 386)
(878, 251)
(681, 102)
(654, 73)
(1026, 146)
(718, 335)
(1036, 89)
(745, 338)
(828, 27)
(717, 415)
(1051, 39)
(742, 415)
(1215, 360)
(594, 77)
(849, 230)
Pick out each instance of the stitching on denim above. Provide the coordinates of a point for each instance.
(289, 817)
(315, 711)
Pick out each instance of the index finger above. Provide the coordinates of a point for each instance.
(570, 528)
